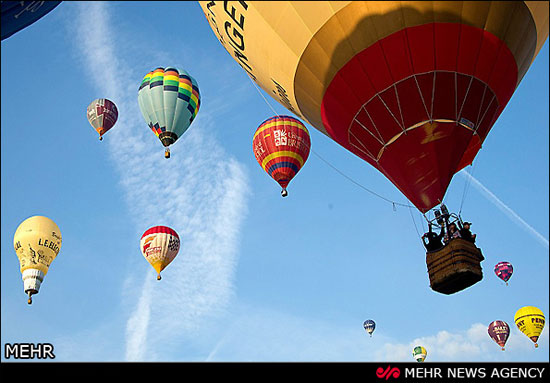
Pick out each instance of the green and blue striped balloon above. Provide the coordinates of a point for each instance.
(169, 100)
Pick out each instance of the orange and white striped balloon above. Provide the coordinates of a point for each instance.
(160, 245)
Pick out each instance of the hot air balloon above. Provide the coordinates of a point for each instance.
(17, 15)
(102, 115)
(37, 242)
(530, 321)
(419, 353)
(499, 331)
(369, 326)
(169, 100)
(281, 147)
(504, 271)
(411, 87)
(160, 245)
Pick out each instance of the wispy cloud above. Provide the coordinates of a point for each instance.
(472, 344)
(259, 334)
(200, 191)
(505, 208)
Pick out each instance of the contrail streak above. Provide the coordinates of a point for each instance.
(502, 206)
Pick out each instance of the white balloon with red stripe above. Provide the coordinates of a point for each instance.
(160, 245)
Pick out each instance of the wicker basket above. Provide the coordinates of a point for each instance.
(454, 267)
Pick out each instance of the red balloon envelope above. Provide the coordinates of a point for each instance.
(504, 270)
(102, 115)
(499, 332)
(281, 146)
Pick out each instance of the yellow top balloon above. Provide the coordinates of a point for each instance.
(37, 242)
(530, 321)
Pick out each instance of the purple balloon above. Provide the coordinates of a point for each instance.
(499, 332)
(504, 270)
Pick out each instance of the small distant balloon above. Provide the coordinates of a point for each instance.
(160, 245)
(419, 353)
(369, 325)
(530, 321)
(504, 271)
(102, 115)
(499, 331)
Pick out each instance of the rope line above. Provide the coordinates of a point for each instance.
(467, 186)
(361, 186)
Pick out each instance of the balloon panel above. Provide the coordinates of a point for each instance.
(530, 321)
(102, 115)
(504, 270)
(499, 332)
(37, 241)
(169, 101)
(281, 146)
(17, 15)
(159, 245)
(369, 326)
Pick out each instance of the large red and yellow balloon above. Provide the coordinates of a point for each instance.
(411, 87)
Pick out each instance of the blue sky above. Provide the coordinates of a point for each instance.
(258, 277)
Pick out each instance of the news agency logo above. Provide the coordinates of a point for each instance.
(389, 372)
(28, 351)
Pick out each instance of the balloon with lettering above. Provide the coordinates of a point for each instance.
(160, 245)
(369, 326)
(499, 331)
(17, 15)
(37, 242)
(102, 115)
(504, 271)
(530, 321)
(169, 101)
(281, 147)
(411, 87)
(419, 353)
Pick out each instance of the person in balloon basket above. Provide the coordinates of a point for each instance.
(434, 240)
(451, 233)
(466, 233)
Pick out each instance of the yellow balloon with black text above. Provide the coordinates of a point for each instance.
(530, 321)
(37, 241)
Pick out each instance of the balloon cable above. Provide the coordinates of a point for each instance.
(334, 167)
(466, 186)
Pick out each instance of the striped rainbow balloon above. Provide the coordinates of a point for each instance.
(281, 146)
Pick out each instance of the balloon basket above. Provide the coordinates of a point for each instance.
(167, 153)
(284, 193)
(455, 267)
(159, 277)
(29, 300)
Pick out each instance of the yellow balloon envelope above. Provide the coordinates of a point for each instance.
(530, 321)
(37, 242)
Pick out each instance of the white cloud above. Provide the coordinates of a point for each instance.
(261, 334)
(200, 192)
